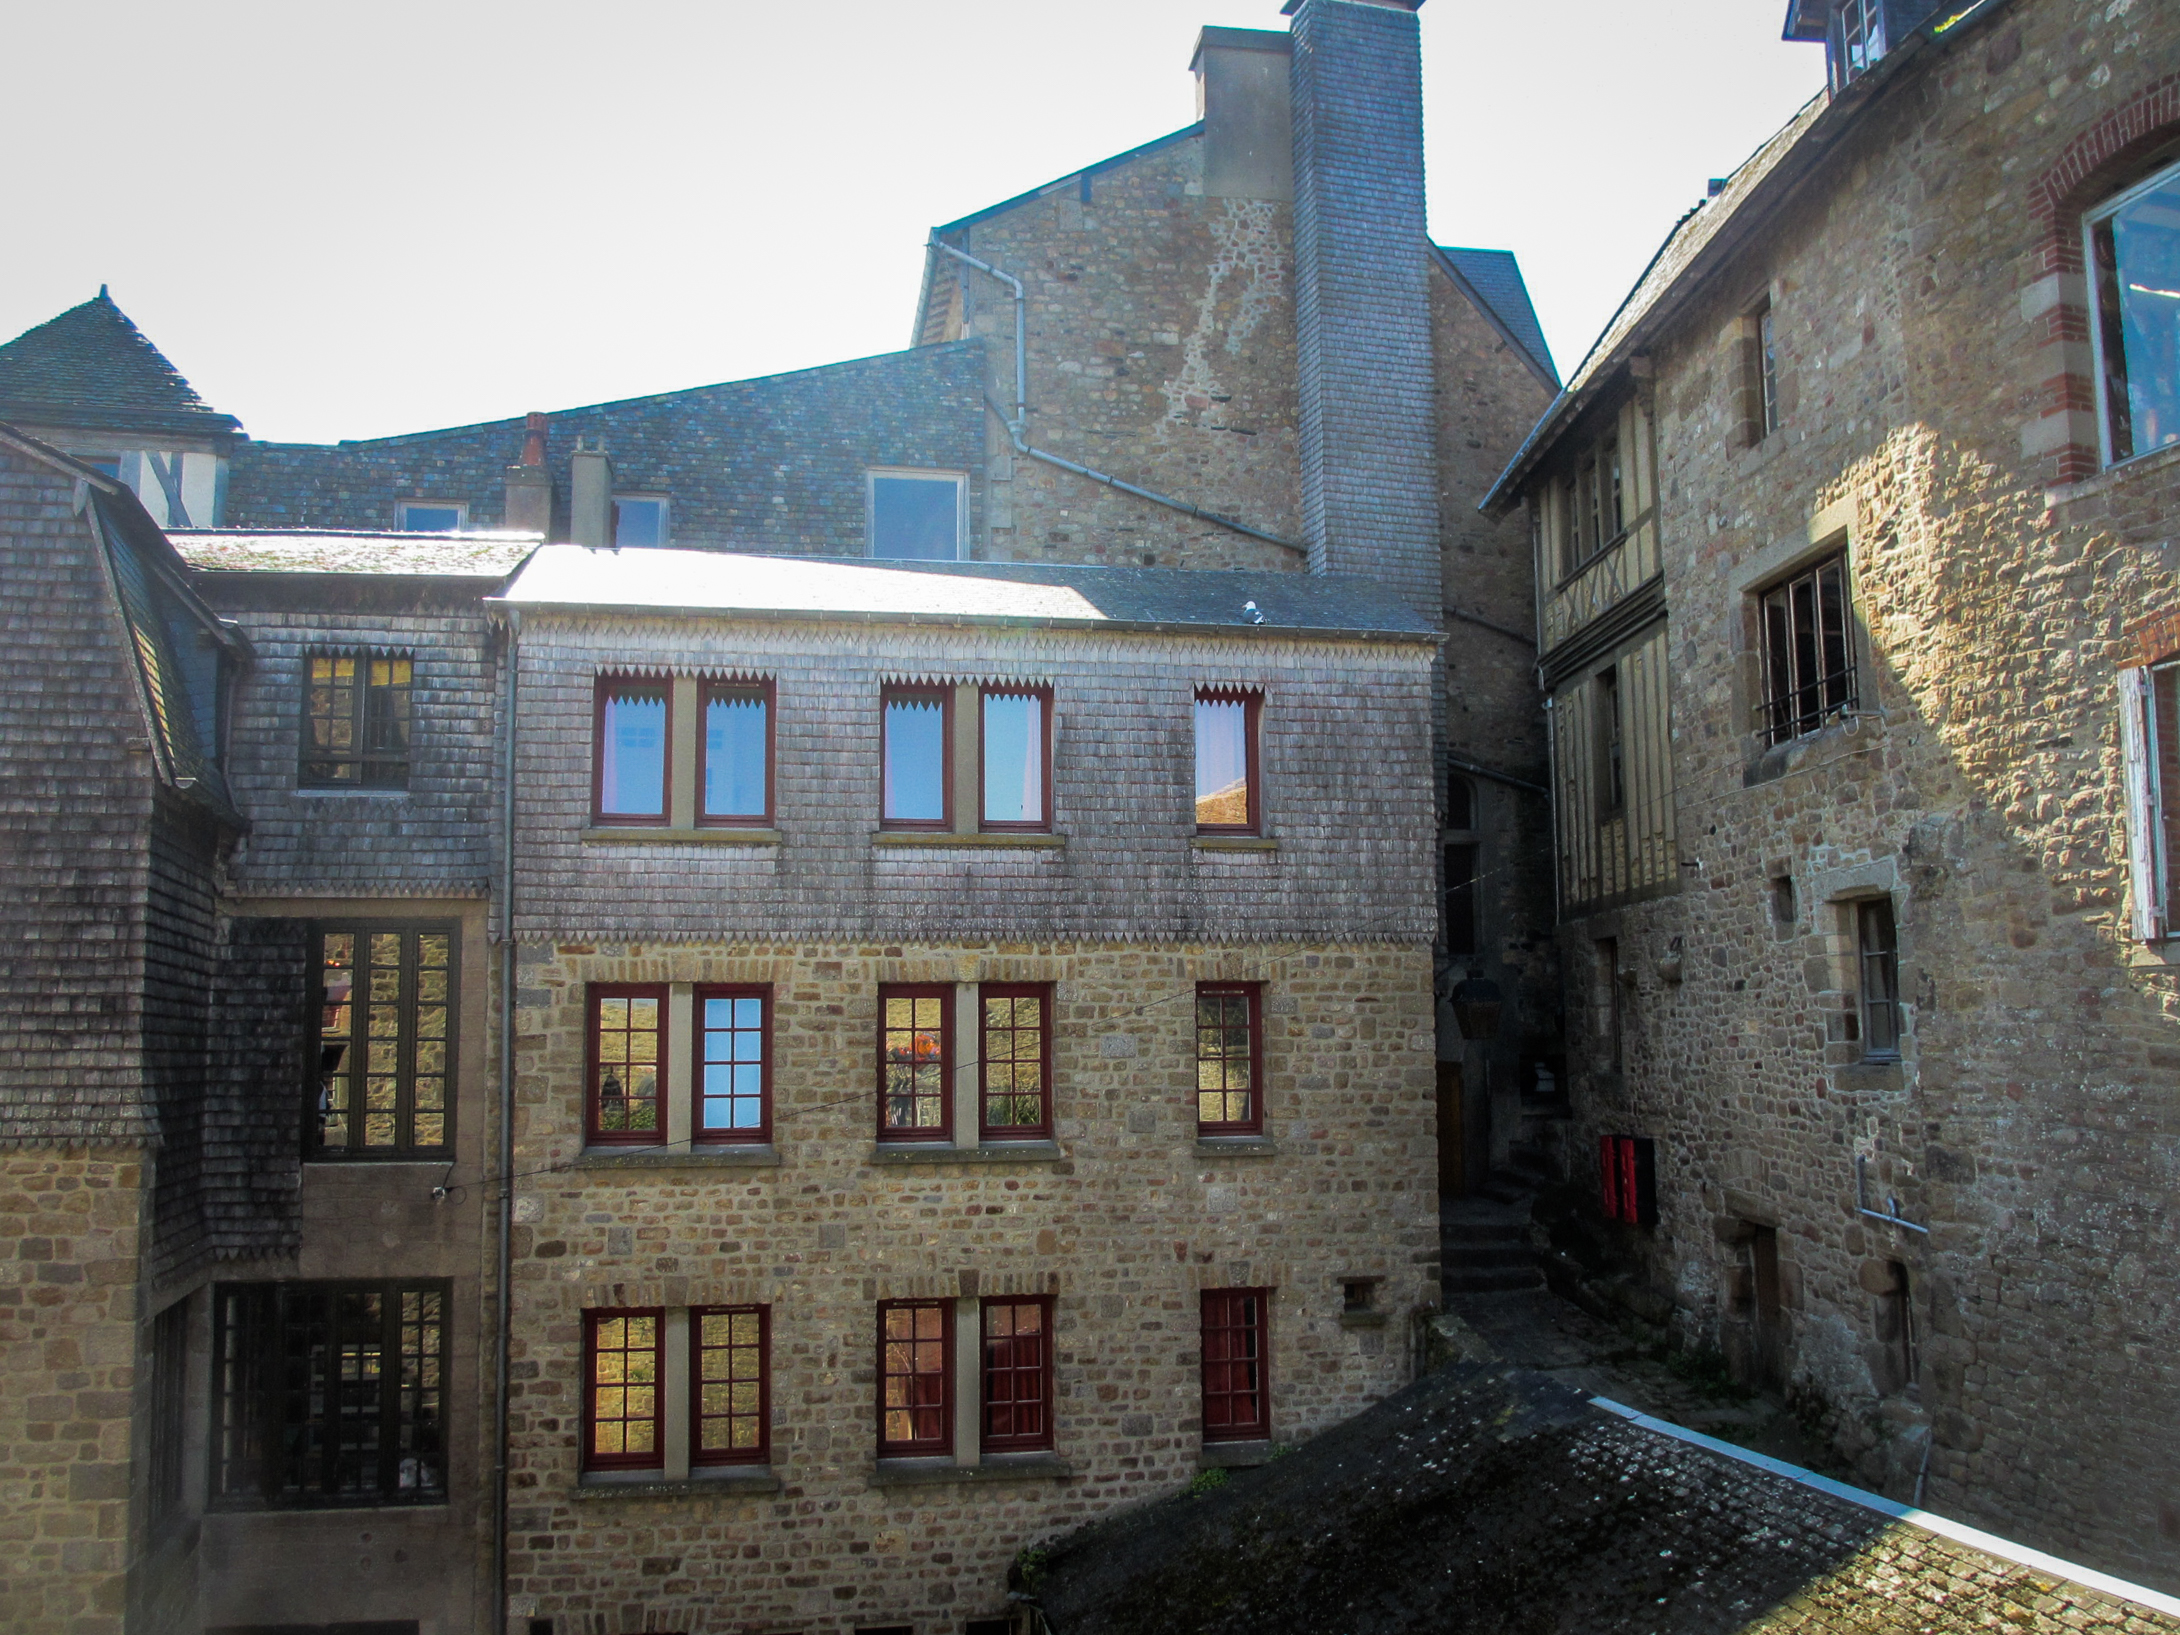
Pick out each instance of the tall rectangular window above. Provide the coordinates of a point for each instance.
(1228, 787)
(1877, 959)
(917, 516)
(1767, 372)
(915, 1378)
(1611, 747)
(627, 1042)
(918, 764)
(1808, 656)
(734, 1063)
(1016, 1060)
(1229, 1058)
(735, 753)
(915, 1062)
(385, 1042)
(2133, 257)
(330, 1393)
(633, 726)
(1017, 1372)
(730, 1385)
(1014, 747)
(1236, 1351)
(356, 720)
(624, 1389)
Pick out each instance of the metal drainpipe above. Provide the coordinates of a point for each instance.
(506, 1132)
(1018, 425)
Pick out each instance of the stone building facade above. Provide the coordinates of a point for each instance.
(1851, 608)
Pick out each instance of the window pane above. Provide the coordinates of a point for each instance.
(1225, 1059)
(913, 1364)
(915, 759)
(915, 518)
(1016, 1414)
(913, 1061)
(1014, 758)
(430, 519)
(2144, 297)
(729, 1385)
(1222, 763)
(734, 754)
(1014, 1054)
(730, 1090)
(625, 1387)
(626, 1072)
(638, 523)
(632, 756)
(1234, 1400)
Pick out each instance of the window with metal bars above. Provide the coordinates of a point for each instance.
(1808, 652)
(330, 1394)
(1877, 959)
(1017, 1372)
(915, 1060)
(1229, 1058)
(356, 720)
(624, 1389)
(385, 1008)
(1236, 1352)
(915, 1378)
(730, 1385)
(1016, 1060)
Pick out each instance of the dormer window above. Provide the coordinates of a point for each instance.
(639, 521)
(1858, 40)
(918, 516)
(431, 517)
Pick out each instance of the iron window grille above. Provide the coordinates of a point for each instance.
(1017, 1374)
(1229, 1058)
(1808, 653)
(2132, 250)
(1015, 1063)
(385, 1047)
(915, 1062)
(626, 1100)
(1236, 1357)
(915, 1378)
(1877, 960)
(330, 1394)
(730, 1385)
(357, 718)
(624, 1389)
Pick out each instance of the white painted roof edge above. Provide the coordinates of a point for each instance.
(1960, 1532)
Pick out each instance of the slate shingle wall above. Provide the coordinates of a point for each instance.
(1347, 781)
(760, 465)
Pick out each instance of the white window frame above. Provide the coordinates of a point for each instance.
(460, 508)
(2100, 382)
(665, 504)
(960, 480)
(2147, 864)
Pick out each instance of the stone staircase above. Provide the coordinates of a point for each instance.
(1484, 1238)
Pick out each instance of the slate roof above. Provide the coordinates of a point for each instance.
(92, 366)
(712, 582)
(451, 556)
(1493, 280)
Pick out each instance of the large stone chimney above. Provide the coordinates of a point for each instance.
(1242, 97)
(1362, 308)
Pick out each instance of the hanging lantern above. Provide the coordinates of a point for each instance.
(1476, 1006)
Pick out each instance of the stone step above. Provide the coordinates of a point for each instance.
(1499, 1280)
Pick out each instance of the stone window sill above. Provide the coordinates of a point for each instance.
(1362, 1319)
(2115, 475)
(998, 1152)
(725, 1482)
(723, 1157)
(1236, 1146)
(1234, 1455)
(633, 835)
(1234, 843)
(942, 837)
(1878, 1076)
(1019, 1467)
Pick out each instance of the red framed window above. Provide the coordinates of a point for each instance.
(916, 731)
(624, 1389)
(1015, 1064)
(1630, 1179)
(1014, 759)
(632, 736)
(915, 1062)
(1237, 1344)
(627, 1053)
(915, 1378)
(730, 1385)
(1017, 1373)
(1229, 1058)
(734, 774)
(733, 1077)
(1229, 785)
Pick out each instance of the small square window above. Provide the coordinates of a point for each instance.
(430, 517)
(633, 732)
(357, 720)
(627, 1057)
(730, 1385)
(736, 754)
(915, 1378)
(1229, 1058)
(1014, 746)
(734, 1064)
(624, 1389)
(1017, 1374)
(638, 522)
(917, 516)
(918, 759)
(1016, 1060)
(1229, 797)
(1236, 1350)
(915, 1062)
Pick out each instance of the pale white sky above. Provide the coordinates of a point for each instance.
(351, 220)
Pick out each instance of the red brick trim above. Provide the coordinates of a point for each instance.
(2151, 640)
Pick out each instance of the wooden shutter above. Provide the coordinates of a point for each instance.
(2138, 748)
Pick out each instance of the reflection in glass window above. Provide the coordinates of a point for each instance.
(626, 1025)
(912, 1062)
(915, 757)
(915, 517)
(626, 1390)
(736, 752)
(638, 523)
(729, 1385)
(2134, 255)
(385, 1046)
(632, 750)
(1014, 759)
(1225, 785)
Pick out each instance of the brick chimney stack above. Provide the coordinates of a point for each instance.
(529, 484)
(1362, 308)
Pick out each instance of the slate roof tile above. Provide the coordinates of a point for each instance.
(91, 363)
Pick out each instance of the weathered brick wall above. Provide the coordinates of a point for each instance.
(68, 1242)
(758, 465)
(2033, 1120)
(1123, 1228)
(1347, 791)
